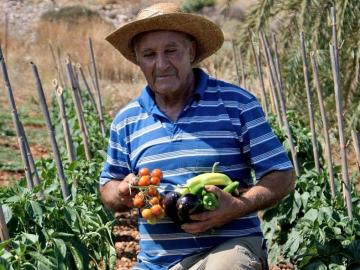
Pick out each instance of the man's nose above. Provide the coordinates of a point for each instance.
(162, 62)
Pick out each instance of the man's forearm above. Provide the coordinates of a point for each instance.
(267, 192)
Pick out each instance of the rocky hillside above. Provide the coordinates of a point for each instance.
(21, 16)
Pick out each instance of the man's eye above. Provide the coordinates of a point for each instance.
(171, 50)
(148, 54)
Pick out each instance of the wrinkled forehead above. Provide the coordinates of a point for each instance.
(152, 35)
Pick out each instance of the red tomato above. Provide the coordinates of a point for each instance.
(146, 213)
(144, 181)
(152, 191)
(138, 201)
(144, 171)
(154, 180)
(157, 173)
(154, 201)
(157, 210)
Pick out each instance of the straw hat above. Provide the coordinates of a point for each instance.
(168, 16)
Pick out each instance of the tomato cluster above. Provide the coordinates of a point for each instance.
(148, 199)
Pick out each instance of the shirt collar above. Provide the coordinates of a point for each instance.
(147, 99)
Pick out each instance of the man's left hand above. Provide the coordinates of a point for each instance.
(216, 218)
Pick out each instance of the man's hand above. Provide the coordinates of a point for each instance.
(116, 194)
(216, 218)
(267, 192)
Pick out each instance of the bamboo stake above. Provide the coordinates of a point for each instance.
(339, 111)
(16, 122)
(325, 124)
(79, 96)
(54, 146)
(271, 92)
(78, 110)
(4, 232)
(56, 64)
(61, 67)
(243, 80)
(356, 141)
(236, 62)
(87, 87)
(6, 34)
(100, 106)
(276, 83)
(309, 103)
(277, 67)
(260, 75)
(64, 121)
(339, 114)
(273, 77)
(33, 170)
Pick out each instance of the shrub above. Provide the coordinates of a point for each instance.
(196, 5)
(70, 14)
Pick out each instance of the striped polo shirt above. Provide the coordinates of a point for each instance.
(220, 123)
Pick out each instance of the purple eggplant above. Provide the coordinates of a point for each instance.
(169, 205)
(187, 205)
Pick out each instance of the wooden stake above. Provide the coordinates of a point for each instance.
(64, 121)
(56, 64)
(78, 110)
(273, 77)
(79, 96)
(6, 34)
(339, 114)
(325, 124)
(277, 67)
(356, 140)
(236, 62)
(4, 232)
(33, 170)
(243, 79)
(54, 146)
(16, 122)
(275, 81)
(100, 106)
(87, 87)
(309, 103)
(260, 75)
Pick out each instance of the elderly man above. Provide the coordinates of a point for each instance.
(183, 122)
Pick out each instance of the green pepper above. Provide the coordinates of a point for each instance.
(210, 201)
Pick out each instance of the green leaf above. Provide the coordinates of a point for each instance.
(41, 258)
(311, 215)
(32, 238)
(5, 265)
(60, 247)
(315, 265)
(13, 199)
(37, 212)
(293, 242)
(8, 214)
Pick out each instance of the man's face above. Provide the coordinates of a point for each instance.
(165, 59)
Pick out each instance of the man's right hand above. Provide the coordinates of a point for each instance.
(116, 194)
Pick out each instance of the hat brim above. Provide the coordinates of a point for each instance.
(208, 35)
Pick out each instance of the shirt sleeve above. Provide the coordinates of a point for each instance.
(116, 165)
(262, 147)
